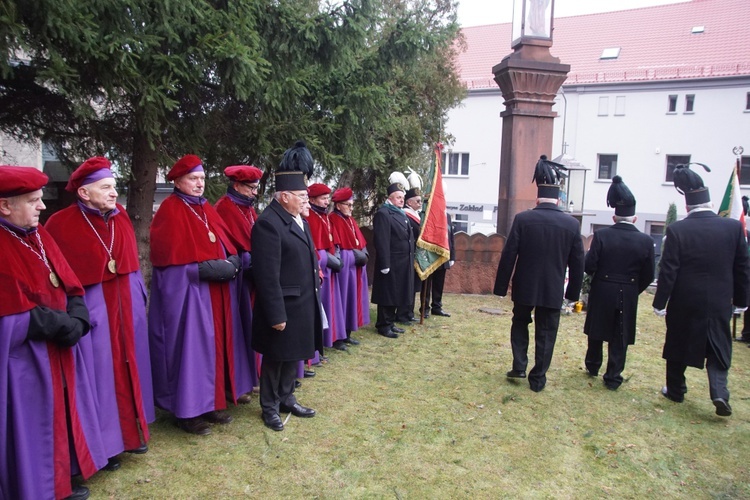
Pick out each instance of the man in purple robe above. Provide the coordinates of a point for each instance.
(193, 317)
(48, 425)
(97, 238)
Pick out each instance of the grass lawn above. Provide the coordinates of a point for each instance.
(431, 415)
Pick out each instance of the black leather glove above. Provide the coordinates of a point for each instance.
(216, 270)
(63, 328)
(236, 261)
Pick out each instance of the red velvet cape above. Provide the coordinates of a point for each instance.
(25, 284)
(321, 231)
(346, 232)
(175, 226)
(85, 252)
(89, 259)
(239, 220)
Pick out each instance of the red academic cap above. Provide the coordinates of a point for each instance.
(15, 181)
(317, 189)
(90, 171)
(243, 173)
(184, 165)
(342, 194)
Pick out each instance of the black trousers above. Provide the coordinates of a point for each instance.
(386, 318)
(438, 283)
(277, 384)
(546, 322)
(616, 353)
(717, 377)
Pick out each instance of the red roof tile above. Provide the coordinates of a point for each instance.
(656, 43)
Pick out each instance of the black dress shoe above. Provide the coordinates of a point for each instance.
(194, 425)
(427, 314)
(113, 464)
(388, 333)
(516, 374)
(298, 410)
(722, 407)
(744, 337)
(536, 387)
(79, 493)
(339, 345)
(218, 417)
(139, 451)
(666, 394)
(309, 374)
(297, 384)
(441, 313)
(351, 341)
(396, 329)
(273, 422)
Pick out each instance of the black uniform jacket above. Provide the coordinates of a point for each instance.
(285, 272)
(703, 271)
(543, 242)
(621, 263)
(394, 247)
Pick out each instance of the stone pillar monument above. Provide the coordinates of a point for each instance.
(529, 79)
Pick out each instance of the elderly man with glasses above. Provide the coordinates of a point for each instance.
(287, 321)
(237, 209)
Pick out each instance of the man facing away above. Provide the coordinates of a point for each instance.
(703, 271)
(542, 244)
(621, 262)
(97, 238)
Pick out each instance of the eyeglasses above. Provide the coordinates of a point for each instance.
(303, 197)
(252, 187)
(419, 202)
(350, 204)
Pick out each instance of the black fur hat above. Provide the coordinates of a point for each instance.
(690, 184)
(621, 198)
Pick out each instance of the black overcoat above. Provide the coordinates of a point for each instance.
(703, 271)
(285, 273)
(542, 243)
(394, 247)
(621, 263)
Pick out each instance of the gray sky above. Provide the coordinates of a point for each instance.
(480, 12)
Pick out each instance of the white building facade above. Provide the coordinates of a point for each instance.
(635, 117)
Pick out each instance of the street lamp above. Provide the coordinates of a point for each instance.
(532, 22)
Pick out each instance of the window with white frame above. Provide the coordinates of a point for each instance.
(620, 105)
(456, 164)
(672, 106)
(607, 166)
(603, 106)
(689, 103)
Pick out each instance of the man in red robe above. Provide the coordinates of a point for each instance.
(352, 280)
(330, 265)
(193, 316)
(48, 425)
(237, 210)
(97, 238)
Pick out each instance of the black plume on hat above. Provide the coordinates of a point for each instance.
(621, 198)
(548, 172)
(685, 180)
(297, 158)
(690, 184)
(547, 175)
